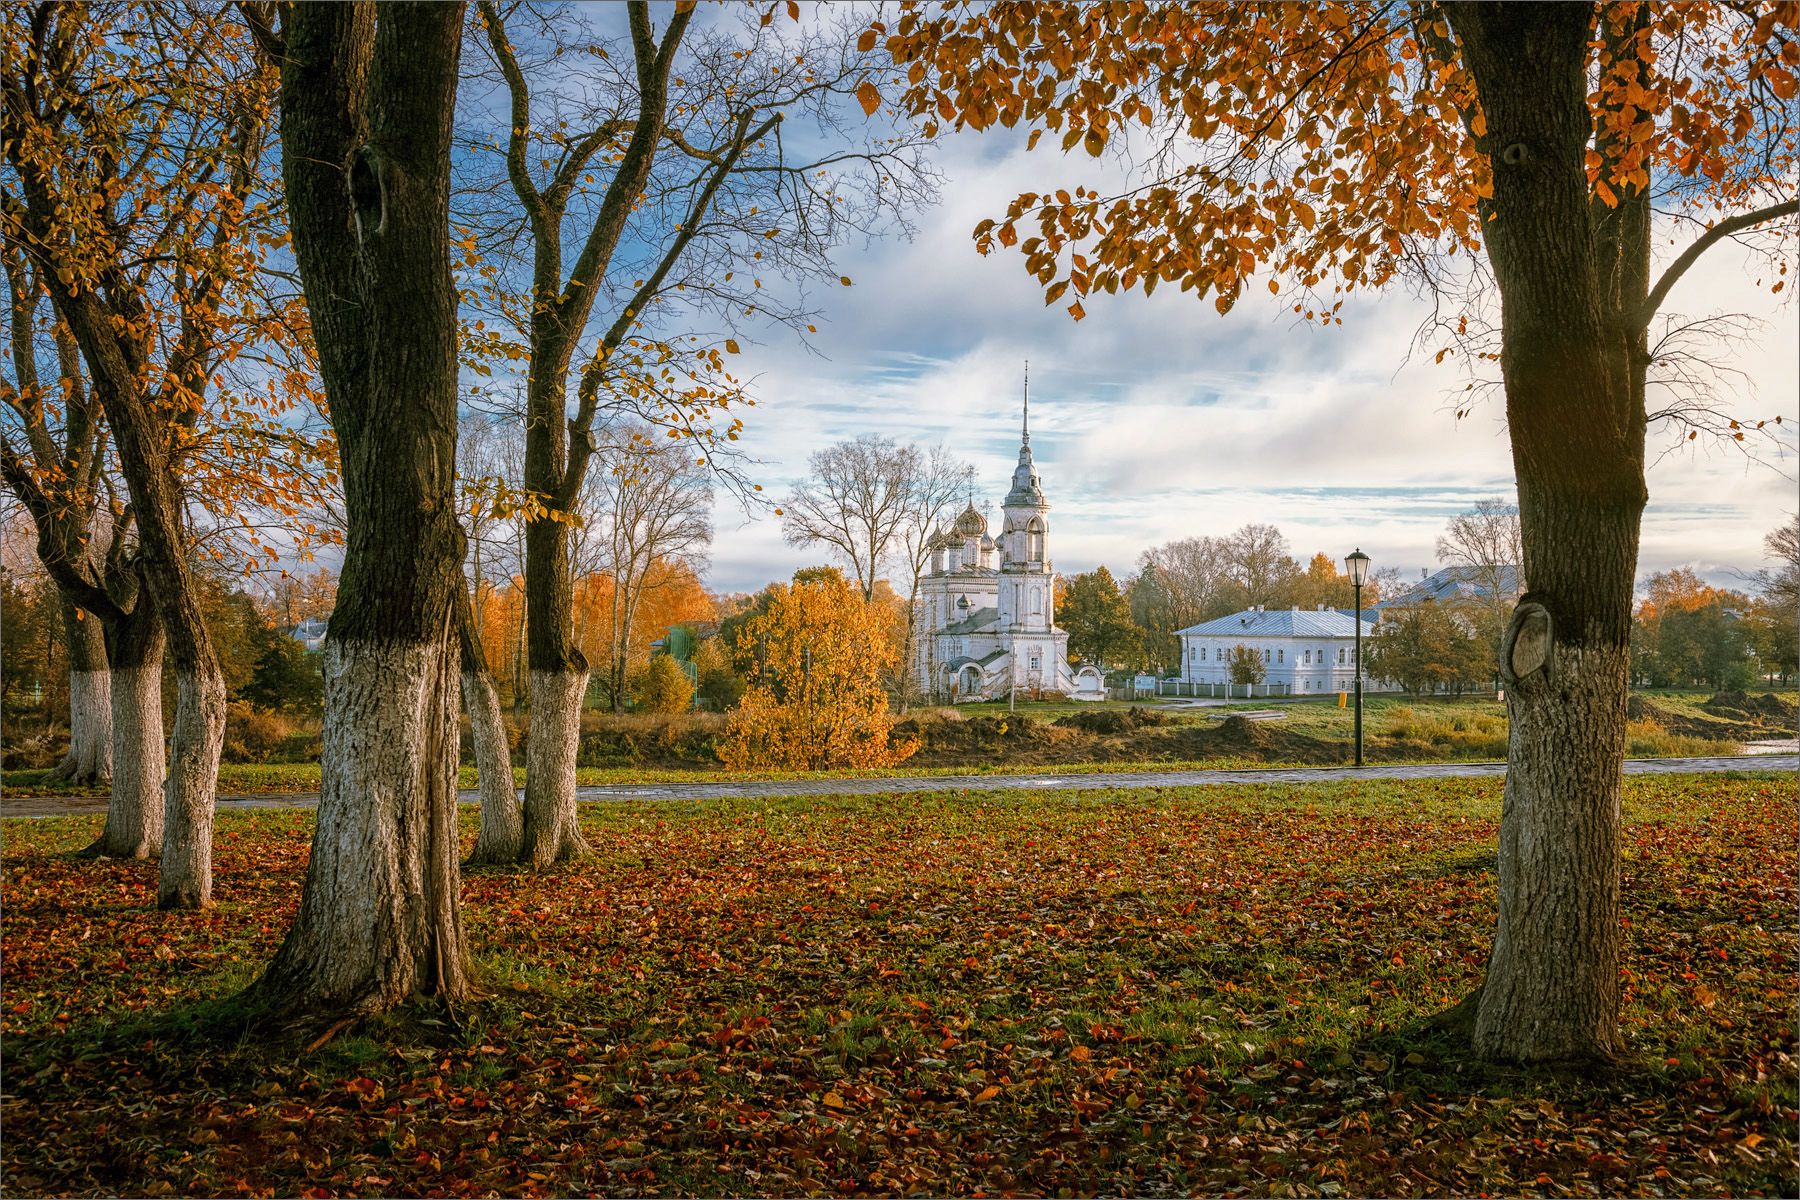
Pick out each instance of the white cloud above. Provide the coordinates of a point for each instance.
(1155, 418)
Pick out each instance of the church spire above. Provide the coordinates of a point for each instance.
(1026, 490)
(1025, 418)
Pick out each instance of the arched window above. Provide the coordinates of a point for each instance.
(1037, 601)
(1034, 540)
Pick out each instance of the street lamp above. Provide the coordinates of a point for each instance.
(1358, 564)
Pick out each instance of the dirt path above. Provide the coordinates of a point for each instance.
(60, 806)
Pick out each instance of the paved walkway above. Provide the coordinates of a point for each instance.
(56, 806)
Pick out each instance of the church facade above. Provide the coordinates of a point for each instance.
(985, 623)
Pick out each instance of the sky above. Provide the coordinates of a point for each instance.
(1156, 418)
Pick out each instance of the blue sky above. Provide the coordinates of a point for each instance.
(1156, 418)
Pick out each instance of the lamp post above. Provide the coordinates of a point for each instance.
(1358, 564)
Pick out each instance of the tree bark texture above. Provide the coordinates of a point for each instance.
(89, 760)
(379, 920)
(552, 830)
(1574, 398)
(367, 94)
(502, 824)
(191, 788)
(134, 811)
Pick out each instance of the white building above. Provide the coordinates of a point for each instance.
(1304, 651)
(986, 621)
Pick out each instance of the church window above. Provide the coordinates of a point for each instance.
(1037, 661)
(1340, 656)
(1307, 659)
(1265, 655)
(1281, 656)
(1037, 601)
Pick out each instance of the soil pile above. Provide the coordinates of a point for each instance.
(1767, 709)
(1108, 721)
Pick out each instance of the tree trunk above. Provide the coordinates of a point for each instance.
(192, 787)
(371, 88)
(502, 825)
(1575, 410)
(558, 672)
(134, 813)
(552, 831)
(89, 760)
(379, 920)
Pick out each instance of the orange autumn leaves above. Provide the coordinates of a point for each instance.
(816, 660)
(1328, 147)
(671, 594)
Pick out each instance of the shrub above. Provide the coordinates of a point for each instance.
(663, 687)
(253, 734)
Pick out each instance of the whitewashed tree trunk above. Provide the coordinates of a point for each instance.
(134, 814)
(502, 824)
(89, 760)
(379, 921)
(191, 790)
(552, 832)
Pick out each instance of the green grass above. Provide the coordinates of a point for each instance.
(1442, 729)
(1141, 991)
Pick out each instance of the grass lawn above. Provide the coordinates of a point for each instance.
(1146, 992)
(1397, 729)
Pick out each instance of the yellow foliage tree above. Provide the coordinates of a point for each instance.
(663, 687)
(816, 660)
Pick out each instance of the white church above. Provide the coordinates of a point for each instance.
(986, 616)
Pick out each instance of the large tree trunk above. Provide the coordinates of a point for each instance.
(1575, 410)
(367, 94)
(379, 920)
(502, 825)
(134, 813)
(89, 760)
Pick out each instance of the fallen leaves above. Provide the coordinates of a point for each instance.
(1152, 991)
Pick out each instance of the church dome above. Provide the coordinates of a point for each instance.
(971, 522)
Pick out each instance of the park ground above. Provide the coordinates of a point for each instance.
(1213, 990)
(1065, 736)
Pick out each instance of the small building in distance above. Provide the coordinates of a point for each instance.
(1459, 589)
(310, 633)
(1304, 651)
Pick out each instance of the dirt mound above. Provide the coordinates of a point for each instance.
(1234, 737)
(1766, 709)
(1639, 708)
(1110, 721)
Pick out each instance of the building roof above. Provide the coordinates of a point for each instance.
(1281, 622)
(981, 618)
(1451, 585)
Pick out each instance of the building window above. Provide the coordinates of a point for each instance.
(1281, 656)
(1265, 656)
(1340, 656)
